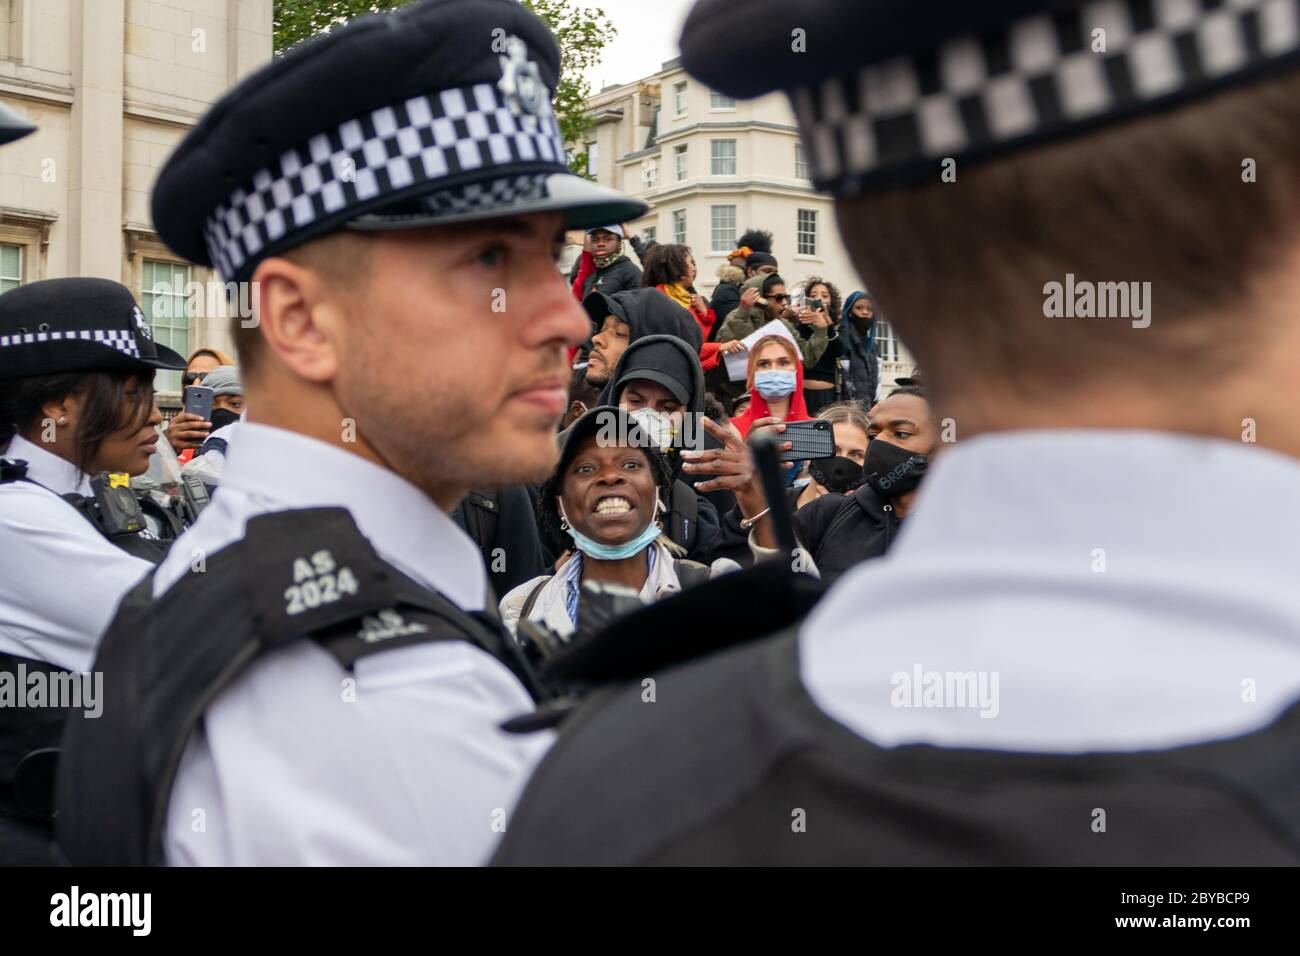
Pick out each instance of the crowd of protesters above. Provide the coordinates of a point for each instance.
(676, 509)
(683, 383)
(658, 352)
(412, 567)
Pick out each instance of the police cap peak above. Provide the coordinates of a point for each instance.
(885, 90)
(437, 112)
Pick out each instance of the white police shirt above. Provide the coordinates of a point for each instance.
(60, 579)
(208, 465)
(1130, 590)
(413, 770)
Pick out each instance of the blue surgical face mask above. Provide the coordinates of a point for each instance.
(611, 552)
(775, 383)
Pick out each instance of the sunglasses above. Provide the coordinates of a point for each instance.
(779, 298)
(189, 378)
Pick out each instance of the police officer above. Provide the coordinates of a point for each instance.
(77, 363)
(397, 192)
(1059, 663)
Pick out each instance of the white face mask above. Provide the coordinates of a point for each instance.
(658, 427)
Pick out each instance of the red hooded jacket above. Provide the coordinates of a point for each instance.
(758, 407)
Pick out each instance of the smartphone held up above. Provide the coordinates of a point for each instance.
(198, 401)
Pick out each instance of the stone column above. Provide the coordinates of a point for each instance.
(248, 37)
(95, 142)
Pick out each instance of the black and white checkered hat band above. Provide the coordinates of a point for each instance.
(119, 339)
(1041, 77)
(389, 151)
(476, 197)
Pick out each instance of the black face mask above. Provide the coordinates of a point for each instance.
(838, 475)
(221, 417)
(892, 471)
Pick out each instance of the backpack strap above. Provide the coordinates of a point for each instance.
(532, 599)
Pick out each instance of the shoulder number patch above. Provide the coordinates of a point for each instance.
(317, 581)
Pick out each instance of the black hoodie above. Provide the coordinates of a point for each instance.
(618, 276)
(688, 347)
(840, 531)
(646, 312)
(699, 534)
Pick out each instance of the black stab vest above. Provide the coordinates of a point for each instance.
(302, 574)
(735, 764)
(29, 737)
(134, 544)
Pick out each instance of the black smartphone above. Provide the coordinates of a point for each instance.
(814, 439)
(198, 401)
(816, 304)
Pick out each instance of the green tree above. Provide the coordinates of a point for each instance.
(296, 20)
(581, 32)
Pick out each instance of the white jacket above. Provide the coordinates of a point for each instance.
(551, 608)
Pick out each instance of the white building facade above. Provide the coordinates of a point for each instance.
(711, 167)
(113, 85)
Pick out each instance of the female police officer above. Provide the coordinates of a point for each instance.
(76, 399)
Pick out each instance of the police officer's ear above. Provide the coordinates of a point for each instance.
(301, 315)
(61, 412)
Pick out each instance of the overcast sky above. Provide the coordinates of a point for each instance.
(647, 36)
